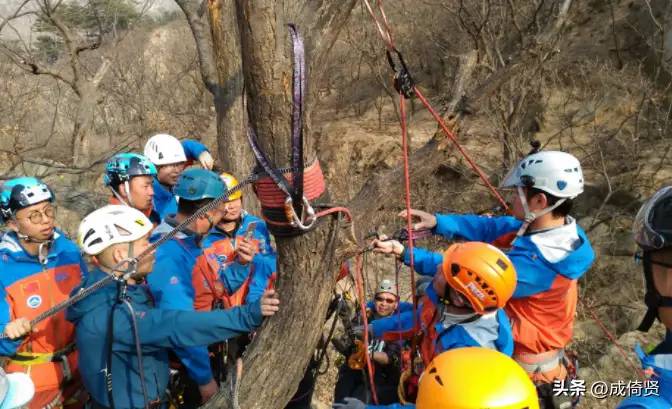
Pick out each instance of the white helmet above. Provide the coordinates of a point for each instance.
(386, 286)
(112, 224)
(554, 172)
(557, 173)
(164, 149)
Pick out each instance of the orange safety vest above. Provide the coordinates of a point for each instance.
(53, 338)
(209, 289)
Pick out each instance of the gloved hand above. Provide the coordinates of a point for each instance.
(350, 403)
(206, 160)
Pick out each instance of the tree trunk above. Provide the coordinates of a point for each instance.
(234, 154)
(276, 360)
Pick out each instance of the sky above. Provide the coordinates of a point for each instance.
(21, 27)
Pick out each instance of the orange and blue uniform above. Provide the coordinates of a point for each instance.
(228, 282)
(441, 331)
(548, 264)
(170, 283)
(29, 288)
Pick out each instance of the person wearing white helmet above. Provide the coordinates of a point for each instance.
(550, 252)
(123, 340)
(385, 355)
(171, 157)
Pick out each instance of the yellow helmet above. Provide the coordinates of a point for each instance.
(230, 181)
(474, 378)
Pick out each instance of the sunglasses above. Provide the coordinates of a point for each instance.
(386, 300)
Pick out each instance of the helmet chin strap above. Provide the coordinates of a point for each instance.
(529, 215)
(121, 199)
(128, 193)
(43, 248)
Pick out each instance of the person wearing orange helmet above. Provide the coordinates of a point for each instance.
(239, 251)
(462, 307)
(468, 378)
(550, 251)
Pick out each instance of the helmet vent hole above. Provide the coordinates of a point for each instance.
(122, 231)
(454, 269)
(502, 264)
(438, 379)
(87, 235)
(96, 241)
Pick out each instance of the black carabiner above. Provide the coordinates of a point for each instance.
(403, 81)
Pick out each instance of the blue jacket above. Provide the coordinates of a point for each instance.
(653, 398)
(231, 272)
(536, 272)
(171, 285)
(158, 331)
(164, 199)
(25, 287)
(548, 264)
(490, 331)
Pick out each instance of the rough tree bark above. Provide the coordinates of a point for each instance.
(277, 358)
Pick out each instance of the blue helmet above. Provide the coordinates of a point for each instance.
(122, 167)
(19, 193)
(196, 184)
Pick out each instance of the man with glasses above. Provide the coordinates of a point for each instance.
(171, 157)
(40, 267)
(385, 356)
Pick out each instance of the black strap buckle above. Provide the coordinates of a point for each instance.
(403, 81)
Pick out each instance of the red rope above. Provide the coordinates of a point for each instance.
(464, 153)
(270, 195)
(362, 304)
(386, 34)
(407, 187)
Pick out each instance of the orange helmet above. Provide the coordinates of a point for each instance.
(480, 272)
(474, 378)
(230, 181)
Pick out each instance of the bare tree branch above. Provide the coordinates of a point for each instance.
(199, 27)
(17, 14)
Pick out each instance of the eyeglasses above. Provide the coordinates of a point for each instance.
(386, 300)
(37, 216)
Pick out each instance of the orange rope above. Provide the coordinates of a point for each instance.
(362, 303)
